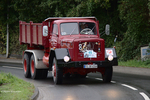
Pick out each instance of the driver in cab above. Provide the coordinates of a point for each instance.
(84, 29)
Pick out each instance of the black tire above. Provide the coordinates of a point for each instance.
(57, 73)
(26, 65)
(35, 74)
(43, 74)
(107, 76)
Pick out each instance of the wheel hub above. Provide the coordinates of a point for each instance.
(25, 65)
(32, 66)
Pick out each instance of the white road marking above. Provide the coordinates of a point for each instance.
(144, 96)
(12, 67)
(113, 81)
(98, 79)
(129, 87)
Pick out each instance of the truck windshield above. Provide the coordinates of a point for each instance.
(69, 28)
(87, 28)
(73, 28)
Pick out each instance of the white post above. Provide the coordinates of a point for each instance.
(7, 45)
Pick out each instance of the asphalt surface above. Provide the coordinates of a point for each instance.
(128, 83)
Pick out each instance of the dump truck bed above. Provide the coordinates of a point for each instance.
(31, 33)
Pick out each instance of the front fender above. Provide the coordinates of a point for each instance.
(61, 53)
(112, 52)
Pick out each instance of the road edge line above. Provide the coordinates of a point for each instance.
(129, 86)
(144, 96)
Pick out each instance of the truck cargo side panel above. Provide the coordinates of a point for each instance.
(31, 33)
(28, 34)
(23, 34)
(35, 35)
(40, 35)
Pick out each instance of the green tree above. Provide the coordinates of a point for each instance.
(38, 10)
(135, 14)
(7, 15)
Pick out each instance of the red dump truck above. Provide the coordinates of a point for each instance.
(65, 46)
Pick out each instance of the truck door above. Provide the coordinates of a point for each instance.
(54, 38)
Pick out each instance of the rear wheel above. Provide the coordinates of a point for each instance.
(107, 75)
(26, 65)
(57, 73)
(37, 73)
(34, 72)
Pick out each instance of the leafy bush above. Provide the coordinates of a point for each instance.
(12, 88)
(135, 14)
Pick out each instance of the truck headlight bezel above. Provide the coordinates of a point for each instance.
(110, 57)
(66, 58)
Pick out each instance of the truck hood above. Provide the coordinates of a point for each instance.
(81, 38)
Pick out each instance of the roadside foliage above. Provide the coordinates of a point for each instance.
(13, 88)
(128, 19)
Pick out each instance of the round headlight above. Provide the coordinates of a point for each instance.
(66, 58)
(110, 57)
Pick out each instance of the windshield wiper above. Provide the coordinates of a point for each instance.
(73, 30)
(91, 29)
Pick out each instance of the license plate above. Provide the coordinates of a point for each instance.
(90, 66)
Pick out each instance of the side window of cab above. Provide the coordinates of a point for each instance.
(55, 29)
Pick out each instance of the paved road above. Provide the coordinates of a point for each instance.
(125, 86)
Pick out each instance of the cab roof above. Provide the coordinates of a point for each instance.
(71, 18)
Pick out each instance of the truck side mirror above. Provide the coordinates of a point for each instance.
(107, 29)
(45, 30)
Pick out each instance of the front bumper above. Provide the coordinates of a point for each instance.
(80, 64)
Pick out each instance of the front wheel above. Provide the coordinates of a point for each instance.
(57, 73)
(107, 75)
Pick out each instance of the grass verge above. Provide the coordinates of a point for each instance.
(13, 88)
(135, 63)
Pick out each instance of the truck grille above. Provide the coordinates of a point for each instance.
(84, 46)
